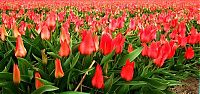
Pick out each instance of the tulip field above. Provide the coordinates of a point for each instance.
(98, 46)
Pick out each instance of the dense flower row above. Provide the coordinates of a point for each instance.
(161, 33)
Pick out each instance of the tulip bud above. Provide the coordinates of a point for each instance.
(119, 43)
(45, 33)
(130, 48)
(64, 49)
(20, 50)
(189, 54)
(58, 69)
(87, 46)
(127, 71)
(3, 32)
(38, 84)
(106, 44)
(16, 31)
(97, 80)
(16, 74)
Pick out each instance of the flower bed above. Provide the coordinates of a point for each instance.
(98, 46)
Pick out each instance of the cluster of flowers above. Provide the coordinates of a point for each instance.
(172, 23)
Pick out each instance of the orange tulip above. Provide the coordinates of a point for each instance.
(16, 31)
(3, 32)
(20, 50)
(58, 69)
(64, 49)
(16, 74)
(38, 84)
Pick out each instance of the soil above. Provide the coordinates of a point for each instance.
(190, 86)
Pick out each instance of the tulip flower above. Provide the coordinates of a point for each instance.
(64, 35)
(38, 84)
(119, 43)
(16, 31)
(145, 49)
(153, 50)
(97, 80)
(16, 74)
(3, 32)
(64, 49)
(130, 48)
(189, 54)
(87, 46)
(106, 44)
(127, 70)
(58, 69)
(45, 33)
(20, 50)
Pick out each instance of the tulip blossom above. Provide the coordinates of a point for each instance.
(16, 31)
(189, 54)
(64, 49)
(87, 46)
(130, 48)
(38, 83)
(16, 74)
(153, 50)
(20, 50)
(97, 80)
(145, 49)
(127, 70)
(45, 33)
(119, 43)
(106, 44)
(3, 33)
(58, 69)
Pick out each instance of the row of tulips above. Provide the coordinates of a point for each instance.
(72, 37)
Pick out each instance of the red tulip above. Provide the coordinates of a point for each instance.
(20, 50)
(119, 43)
(132, 24)
(128, 70)
(145, 49)
(106, 44)
(64, 49)
(16, 74)
(58, 69)
(87, 46)
(38, 84)
(182, 41)
(189, 54)
(153, 50)
(130, 48)
(97, 80)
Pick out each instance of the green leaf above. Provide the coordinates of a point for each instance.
(73, 92)
(37, 58)
(130, 56)
(5, 59)
(155, 83)
(45, 82)
(45, 88)
(109, 83)
(107, 57)
(50, 45)
(53, 55)
(75, 60)
(123, 89)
